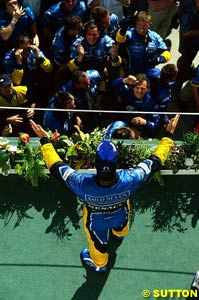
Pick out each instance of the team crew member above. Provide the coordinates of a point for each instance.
(106, 194)
(144, 48)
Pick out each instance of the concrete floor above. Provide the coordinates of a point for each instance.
(35, 264)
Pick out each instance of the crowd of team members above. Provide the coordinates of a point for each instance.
(74, 54)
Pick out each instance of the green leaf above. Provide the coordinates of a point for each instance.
(18, 169)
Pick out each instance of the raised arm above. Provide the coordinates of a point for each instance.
(48, 151)
(166, 142)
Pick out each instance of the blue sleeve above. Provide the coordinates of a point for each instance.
(57, 47)
(153, 122)
(164, 98)
(114, 20)
(73, 48)
(119, 87)
(107, 42)
(46, 119)
(9, 62)
(67, 87)
(48, 16)
(72, 179)
(144, 170)
(30, 14)
(159, 42)
(81, 10)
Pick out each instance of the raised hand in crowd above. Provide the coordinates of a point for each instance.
(80, 50)
(171, 126)
(14, 119)
(7, 130)
(17, 13)
(30, 113)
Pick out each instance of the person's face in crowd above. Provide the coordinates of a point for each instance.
(71, 104)
(105, 22)
(176, 73)
(197, 4)
(11, 6)
(92, 36)
(26, 49)
(68, 5)
(140, 89)
(73, 32)
(142, 27)
(84, 82)
(6, 91)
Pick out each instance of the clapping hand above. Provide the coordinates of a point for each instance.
(17, 13)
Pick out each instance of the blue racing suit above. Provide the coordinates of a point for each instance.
(84, 99)
(54, 17)
(133, 104)
(61, 46)
(106, 208)
(113, 27)
(95, 57)
(63, 122)
(144, 53)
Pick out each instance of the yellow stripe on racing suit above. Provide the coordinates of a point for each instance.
(50, 155)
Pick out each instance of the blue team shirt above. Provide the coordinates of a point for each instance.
(113, 27)
(142, 50)
(61, 46)
(95, 56)
(55, 15)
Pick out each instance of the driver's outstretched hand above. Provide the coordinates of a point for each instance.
(38, 129)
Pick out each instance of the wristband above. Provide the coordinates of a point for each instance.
(169, 134)
(44, 140)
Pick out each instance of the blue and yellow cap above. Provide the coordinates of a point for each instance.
(106, 159)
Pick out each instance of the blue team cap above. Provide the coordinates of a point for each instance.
(106, 159)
